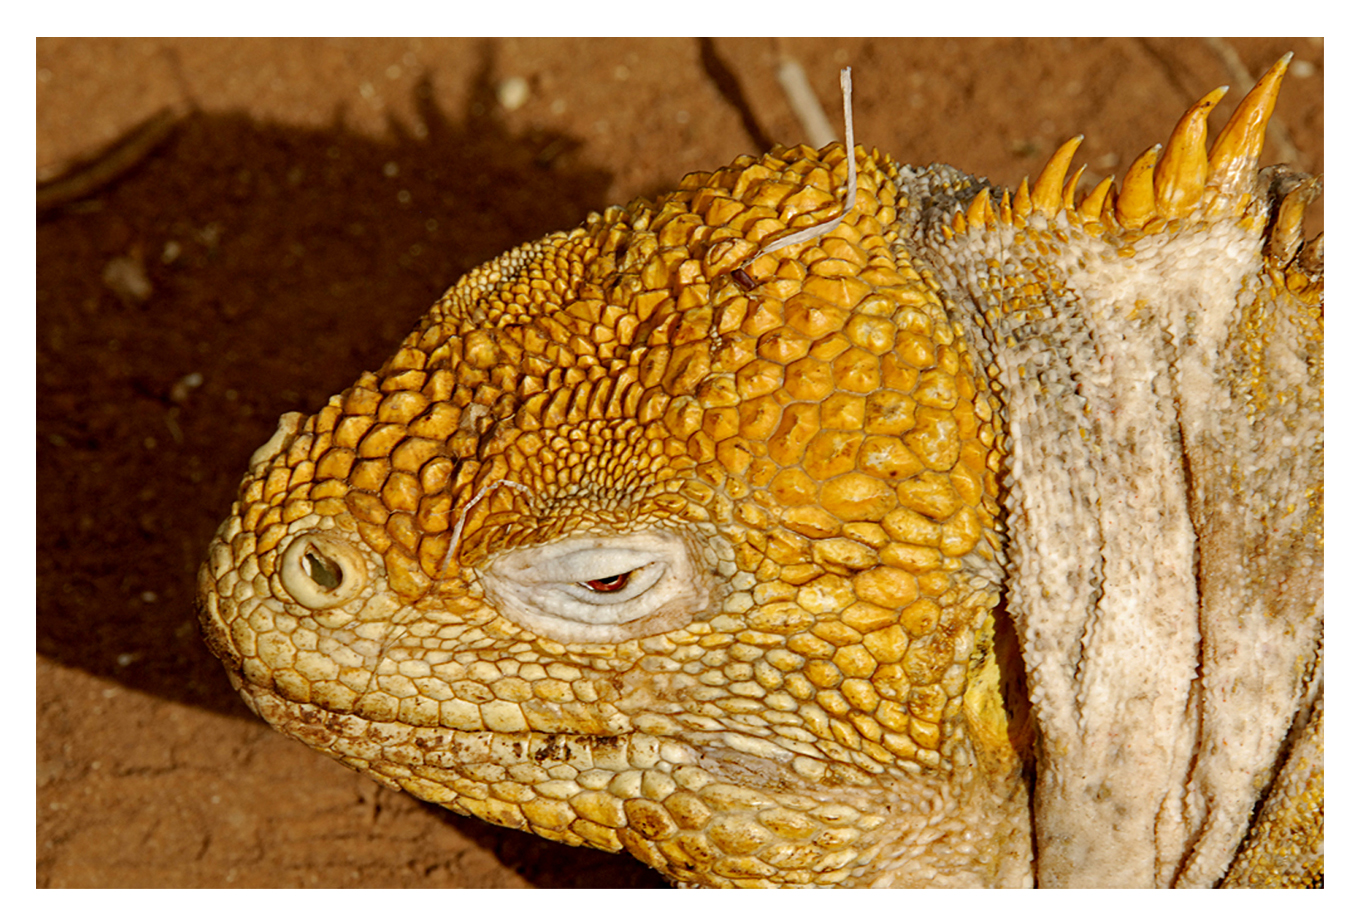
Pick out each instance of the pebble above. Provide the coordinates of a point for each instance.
(512, 93)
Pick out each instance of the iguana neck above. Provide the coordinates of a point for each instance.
(1117, 358)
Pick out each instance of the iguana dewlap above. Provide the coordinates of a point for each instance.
(976, 541)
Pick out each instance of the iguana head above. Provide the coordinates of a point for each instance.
(641, 543)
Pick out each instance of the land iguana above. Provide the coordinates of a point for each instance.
(835, 522)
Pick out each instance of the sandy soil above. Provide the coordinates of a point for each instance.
(313, 198)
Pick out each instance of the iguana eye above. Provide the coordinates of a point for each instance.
(609, 583)
(602, 589)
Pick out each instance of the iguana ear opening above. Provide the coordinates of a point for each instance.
(602, 589)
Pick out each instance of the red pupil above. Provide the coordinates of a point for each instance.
(609, 584)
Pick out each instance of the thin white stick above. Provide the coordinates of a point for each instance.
(462, 519)
(802, 98)
(826, 226)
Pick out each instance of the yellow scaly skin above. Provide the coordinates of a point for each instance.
(976, 542)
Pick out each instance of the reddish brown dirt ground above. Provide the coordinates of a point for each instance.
(313, 200)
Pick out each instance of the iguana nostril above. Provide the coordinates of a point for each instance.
(322, 571)
(325, 573)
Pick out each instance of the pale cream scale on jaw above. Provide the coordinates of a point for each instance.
(686, 532)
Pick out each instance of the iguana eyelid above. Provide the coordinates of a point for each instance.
(542, 587)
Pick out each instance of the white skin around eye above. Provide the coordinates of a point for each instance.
(590, 587)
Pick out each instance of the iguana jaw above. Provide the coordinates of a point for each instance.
(703, 811)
